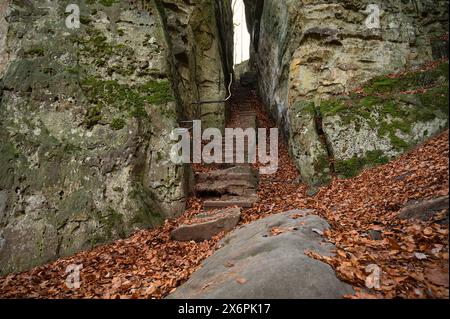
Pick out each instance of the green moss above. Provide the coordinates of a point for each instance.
(113, 222)
(40, 245)
(322, 167)
(352, 167)
(112, 94)
(70, 148)
(35, 52)
(436, 98)
(305, 106)
(107, 3)
(332, 107)
(381, 84)
(370, 101)
(73, 70)
(131, 99)
(321, 163)
(85, 19)
(158, 92)
(398, 111)
(8, 156)
(398, 143)
(111, 226)
(148, 214)
(93, 116)
(389, 130)
(97, 46)
(408, 81)
(118, 124)
(119, 69)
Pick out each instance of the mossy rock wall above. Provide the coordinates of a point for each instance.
(320, 49)
(319, 52)
(388, 117)
(85, 120)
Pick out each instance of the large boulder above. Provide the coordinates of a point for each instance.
(266, 260)
(425, 209)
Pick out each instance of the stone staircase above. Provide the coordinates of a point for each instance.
(228, 189)
(236, 185)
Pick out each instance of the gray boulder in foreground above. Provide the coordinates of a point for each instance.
(255, 264)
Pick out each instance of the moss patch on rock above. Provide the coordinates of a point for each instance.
(389, 107)
(351, 168)
(131, 99)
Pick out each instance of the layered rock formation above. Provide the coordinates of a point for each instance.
(86, 115)
(311, 51)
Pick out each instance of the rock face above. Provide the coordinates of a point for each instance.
(311, 52)
(85, 120)
(202, 43)
(253, 263)
(423, 210)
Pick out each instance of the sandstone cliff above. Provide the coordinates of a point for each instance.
(313, 51)
(86, 115)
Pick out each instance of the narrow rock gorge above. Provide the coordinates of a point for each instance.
(312, 56)
(90, 102)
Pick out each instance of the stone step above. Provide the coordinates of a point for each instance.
(231, 201)
(225, 186)
(223, 173)
(235, 173)
(207, 225)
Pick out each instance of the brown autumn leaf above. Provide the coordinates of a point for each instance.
(438, 276)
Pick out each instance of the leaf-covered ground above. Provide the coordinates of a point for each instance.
(150, 265)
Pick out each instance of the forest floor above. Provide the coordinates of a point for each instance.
(151, 265)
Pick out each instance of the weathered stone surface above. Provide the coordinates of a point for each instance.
(375, 234)
(307, 149)
(425, 210)
(245, 201)
(202, 45)
(228, 186)
(253, 264)
(3, 32)
(314, 51)
(78, 154)
(85, 120)
(206, 226)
